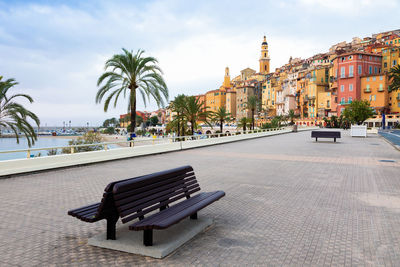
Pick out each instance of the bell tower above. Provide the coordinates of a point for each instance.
(264, 59)
(227, 79)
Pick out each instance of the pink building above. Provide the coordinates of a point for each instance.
(350, 67)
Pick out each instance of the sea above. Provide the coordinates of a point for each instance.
(42, 142)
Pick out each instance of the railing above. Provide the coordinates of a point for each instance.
(153, 141)
(367, 90)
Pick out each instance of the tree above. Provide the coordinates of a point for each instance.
(110, 122)
(139, 120)
(127, 73)
(178, 121)
(358, 111)
(15, 116)
(291, 116)
(87, 138)
(221, 116)
(243, 123)
(153, 121)
(194, 110)
(394, 78)
(252, 105)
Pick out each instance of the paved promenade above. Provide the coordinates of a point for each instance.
(289, 201)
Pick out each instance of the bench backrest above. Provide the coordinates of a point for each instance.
(331, 134)
(136, 197)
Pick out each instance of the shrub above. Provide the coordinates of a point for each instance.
(87, 138)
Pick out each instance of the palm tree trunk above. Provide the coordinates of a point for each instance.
(133, 109)
(252, 119)
(192, 127)
(179, 125)
(220, 126)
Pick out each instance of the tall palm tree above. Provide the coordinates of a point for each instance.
(128, 73)
(221, 116)
(194, 110)
(14, 115)
(178, 106)
(394, 77)
(252, 105)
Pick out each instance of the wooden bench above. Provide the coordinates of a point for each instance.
(138, 197)
(325, 134)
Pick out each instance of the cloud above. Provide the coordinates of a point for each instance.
(57, 50)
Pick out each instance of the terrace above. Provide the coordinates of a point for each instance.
(319, 204)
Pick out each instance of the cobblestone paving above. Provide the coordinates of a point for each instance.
(289, 201)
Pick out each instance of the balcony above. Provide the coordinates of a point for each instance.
(367, 90)
(343, 103)
(347, 76)
(398, 97)
(381, 90)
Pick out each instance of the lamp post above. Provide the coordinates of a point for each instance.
(87, 127)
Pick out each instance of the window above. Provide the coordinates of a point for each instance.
(351, 87)
(374, 78)
(359, 69)
(360, 56)
(394, 62)
(370, 69)
(342, 88)
(370, 98)
(370, 57)
(351, 70)
(398, 104)
(343, 59)
(380, 87)
(350, 99)
(342, 100)
(342, 72)
(367, 79)
(350, 57)
(244, 90)
(381, 78)
(385, 65)
(374, 97)
(328, 104)
(368, 87)
(376, 70)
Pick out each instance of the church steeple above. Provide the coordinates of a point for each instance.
(227, 79)
(264, 59)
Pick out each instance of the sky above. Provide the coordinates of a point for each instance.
(56, 49)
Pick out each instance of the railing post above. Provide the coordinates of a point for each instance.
(72, 150)
(28, 153)
(219, 135)
(105, 147)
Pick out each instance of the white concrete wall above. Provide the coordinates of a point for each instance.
(18, 166)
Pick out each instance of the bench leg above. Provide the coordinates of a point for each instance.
(334, 139)
(193, 216)
(148, 237)
(316, 139)
(111, 225)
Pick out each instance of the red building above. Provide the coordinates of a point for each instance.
(350, 67)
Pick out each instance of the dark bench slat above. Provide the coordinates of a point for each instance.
(149, 179)
(119, 196)
(75, 211)
(160, 197)
(151, 199)
(174, 209)
(92, 210)
(122, 202)
(178, 212)
(164, 203)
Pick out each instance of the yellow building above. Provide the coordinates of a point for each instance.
(215, 99)
(394, 101)
(374, 89)
(390, 58)
(268, 95)
(264, 58)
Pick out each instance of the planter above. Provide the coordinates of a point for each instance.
(358, 130)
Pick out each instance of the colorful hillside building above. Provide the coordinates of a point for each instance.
(351, 67)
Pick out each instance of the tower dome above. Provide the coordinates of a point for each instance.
(265, 41)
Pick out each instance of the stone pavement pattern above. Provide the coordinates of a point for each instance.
(289, 201)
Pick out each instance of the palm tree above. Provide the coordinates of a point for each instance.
(194, 110)
(129, 73)
(291, 116)
(243, 123)
(394, 77)
(252, 105)
(14, 115)
(221, 116)
(177, 106)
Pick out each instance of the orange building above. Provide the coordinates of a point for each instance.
(215, 99)
(375, 90)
